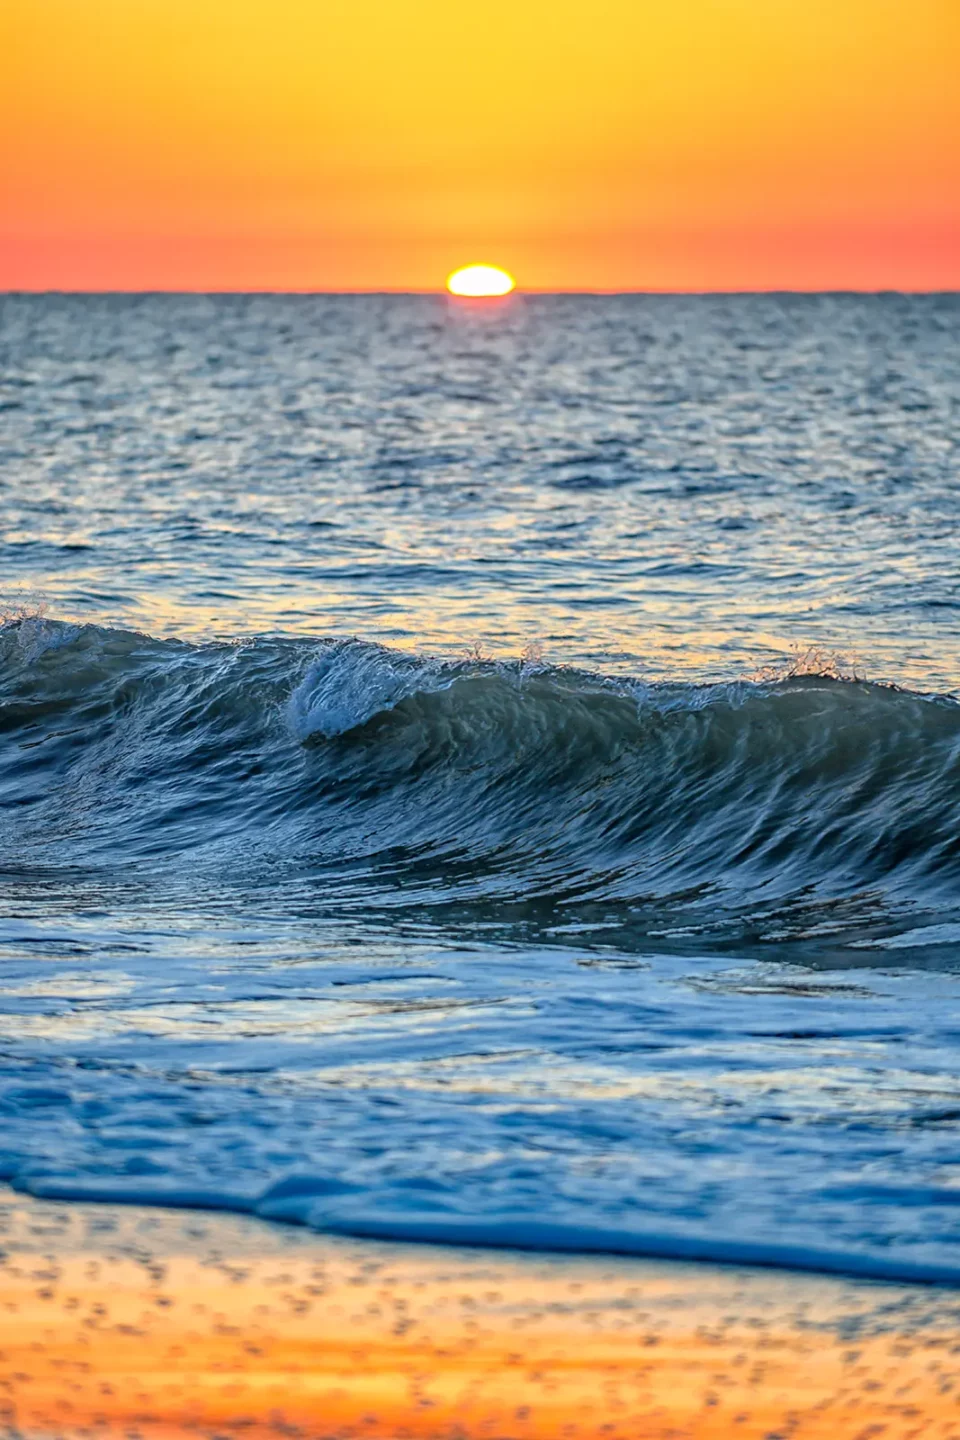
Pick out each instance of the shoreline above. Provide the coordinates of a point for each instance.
(117, 1320)
(510, 1234)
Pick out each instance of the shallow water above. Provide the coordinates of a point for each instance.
(488, 773)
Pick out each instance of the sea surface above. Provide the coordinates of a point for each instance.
(488, 772)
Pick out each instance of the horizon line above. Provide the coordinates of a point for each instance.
(442, 292)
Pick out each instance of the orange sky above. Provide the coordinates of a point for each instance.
(377, 144)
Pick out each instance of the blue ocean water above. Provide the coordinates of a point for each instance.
(487, 772)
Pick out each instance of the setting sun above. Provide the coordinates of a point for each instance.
(480, 280)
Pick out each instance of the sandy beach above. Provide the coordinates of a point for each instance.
(135, 1322)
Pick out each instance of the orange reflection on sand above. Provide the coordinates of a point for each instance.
(118, 1322)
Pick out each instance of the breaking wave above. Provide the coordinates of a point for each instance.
(492, 779)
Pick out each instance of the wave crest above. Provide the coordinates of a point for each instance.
(474, 778)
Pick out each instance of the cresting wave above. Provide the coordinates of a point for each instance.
(498, 779)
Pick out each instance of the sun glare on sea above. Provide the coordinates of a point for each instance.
(480, 280)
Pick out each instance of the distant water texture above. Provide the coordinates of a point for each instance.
(488, 773)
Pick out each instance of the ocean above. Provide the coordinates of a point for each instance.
(487, 772)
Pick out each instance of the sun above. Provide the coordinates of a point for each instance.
(480, 280)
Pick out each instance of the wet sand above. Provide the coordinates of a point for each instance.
(145, 1323)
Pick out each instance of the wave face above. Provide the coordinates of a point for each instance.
(498, 953)
(432, 782)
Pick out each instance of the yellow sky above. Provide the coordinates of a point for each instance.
(379, 143)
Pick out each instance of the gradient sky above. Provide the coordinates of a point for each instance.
(378, 144)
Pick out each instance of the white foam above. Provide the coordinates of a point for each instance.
(350, 682)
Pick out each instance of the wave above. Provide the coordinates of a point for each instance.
(368, 1220)
(423, 780)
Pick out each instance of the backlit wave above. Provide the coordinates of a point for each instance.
(502, 780)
